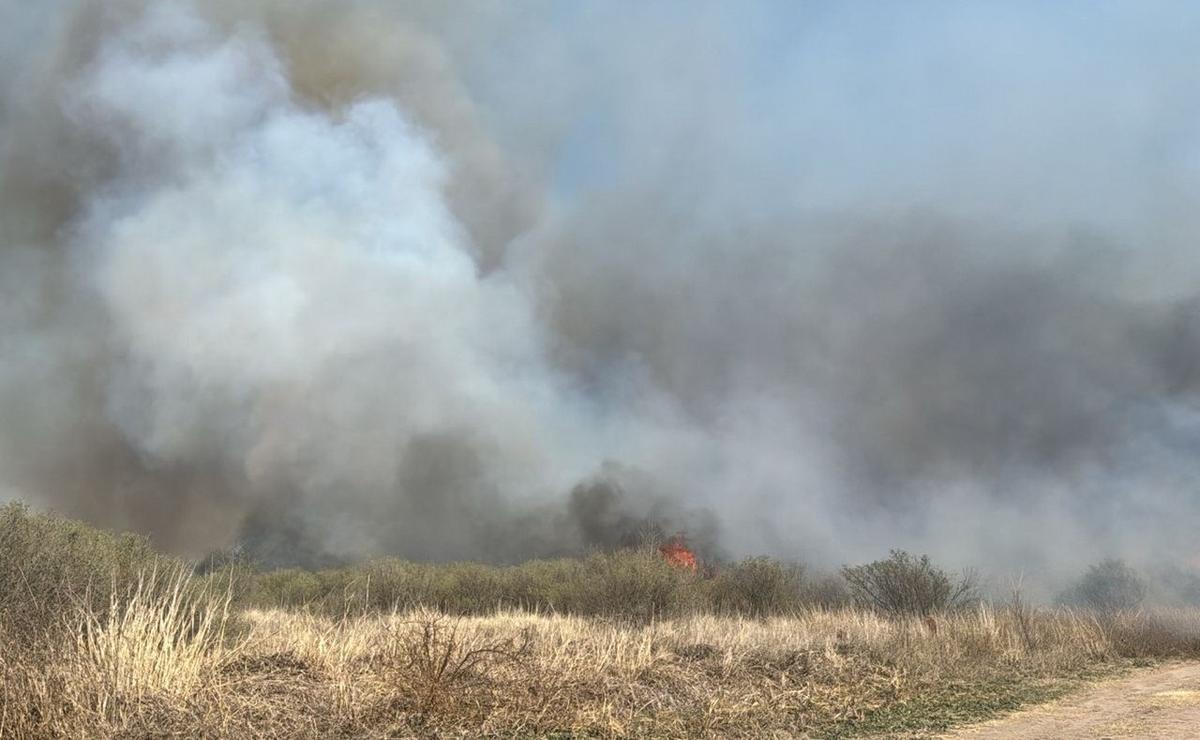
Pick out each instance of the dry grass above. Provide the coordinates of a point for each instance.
(154, 648)
(171, 660)
(102, 637)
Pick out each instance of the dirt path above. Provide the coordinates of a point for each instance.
(1162, 702)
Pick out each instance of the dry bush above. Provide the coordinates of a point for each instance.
(441, 663)
(904, 585)
(758, 587)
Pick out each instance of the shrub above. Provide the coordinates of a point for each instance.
(1108, 586)
(635, 583)
(288, 587)
(443, 663)
(638, 584)
(827, 591)
(758, 587)
(49, 564)
(223, 560)
(904, 585)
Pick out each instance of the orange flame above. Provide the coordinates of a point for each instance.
(677, 554)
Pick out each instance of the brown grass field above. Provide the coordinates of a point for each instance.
(158, 652)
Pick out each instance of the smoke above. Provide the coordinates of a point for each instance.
(346, 279)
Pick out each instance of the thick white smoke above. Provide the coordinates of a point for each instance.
(294, 300)
(340, 279)
(287, 298)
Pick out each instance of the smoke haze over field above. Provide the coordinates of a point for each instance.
(504, 280)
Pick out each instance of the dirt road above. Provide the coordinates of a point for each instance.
(1162, 702)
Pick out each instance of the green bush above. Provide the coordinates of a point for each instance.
(288, 587)
(49, 564)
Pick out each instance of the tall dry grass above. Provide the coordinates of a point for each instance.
(99, 671)
(102, 637)
(167, 658)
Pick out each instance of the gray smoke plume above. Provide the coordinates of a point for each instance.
(493, 281)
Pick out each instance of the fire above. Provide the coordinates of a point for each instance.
(675, 552)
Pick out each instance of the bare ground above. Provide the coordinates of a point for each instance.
(1160, 702)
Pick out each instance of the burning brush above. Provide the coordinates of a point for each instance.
(676, 552)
